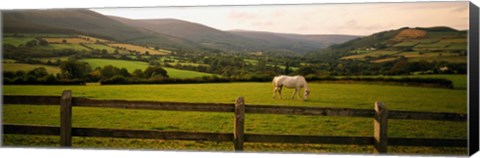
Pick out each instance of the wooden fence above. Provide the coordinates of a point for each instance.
(380, 115)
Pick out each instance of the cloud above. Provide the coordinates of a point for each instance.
(262, 23)
(303, 28)
(236, 15)
(354, 27)
(278, 13)
(459, 9)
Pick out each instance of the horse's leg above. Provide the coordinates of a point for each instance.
(280, 92)
(299, 94)
(294, 92)
(275, 89)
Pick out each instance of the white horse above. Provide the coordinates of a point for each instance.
(296, 82)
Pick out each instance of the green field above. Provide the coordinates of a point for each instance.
(371, 54)
(132, 65)
(64, 46)
(459, 81)
(28, 67)
(16, 41)
(323, 95)
(53, 59)
(100, 47)
(38, 35)
(406, 44)
(177, 61)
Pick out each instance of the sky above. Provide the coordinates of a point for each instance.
(352, 19)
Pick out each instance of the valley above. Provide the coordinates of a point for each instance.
(422, 69)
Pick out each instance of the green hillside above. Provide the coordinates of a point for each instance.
(132, 65)
(28, 67)
(416, 44)
(82, 21)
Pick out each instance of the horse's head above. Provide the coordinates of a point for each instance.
(305, 95)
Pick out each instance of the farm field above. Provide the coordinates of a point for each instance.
(16, 41)
(38, 35)
(100, 47)
(28, 67)
(132, 65)
(72, 40)
(371, 54)
(323, 95)
(173, 61)
(140, 49)
(459, 81)
(94, 39)
(64, 46)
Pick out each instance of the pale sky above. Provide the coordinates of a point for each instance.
(353, 19)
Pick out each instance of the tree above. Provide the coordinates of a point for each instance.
(31, 43)
(38, 72)
(42, 42)
(138, 73)
(287, 68)
(104, 51)
(306, 70)
(109, 71)
(156, 71)
(72, 69)
(64, 41)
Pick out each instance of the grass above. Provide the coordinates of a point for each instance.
(459, 81)
(450, 59)
(177, 61)
(93, 39)
(100, 47)
(39, 35)
(385, 60)
(323, 95)
(425, 55)
(406, 44)
(129, 65)
(177, 73)
(140, 49)
(64, 46)
(132, 65)
(28, 67)
(5, 60)
(457, 46)
(371, 54)
(53, 59)
(16, 41)
(72, 40)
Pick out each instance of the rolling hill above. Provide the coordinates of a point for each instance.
(297, 42)
(415, 44)
(236, 40)
(201, 34)
(169, 34)
(86, 22)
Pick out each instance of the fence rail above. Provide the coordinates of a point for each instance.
(227, 137)
(379, 140)
(225, 107)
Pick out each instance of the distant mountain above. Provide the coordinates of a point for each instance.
(425, 43)
(169, 34)
(236, 40)
(298, 42)
(201, 34)
(81, 21)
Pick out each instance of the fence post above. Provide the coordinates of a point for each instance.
(380, 125)
(66, 119)
(238, 135)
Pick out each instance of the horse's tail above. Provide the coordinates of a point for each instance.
(273, 82)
